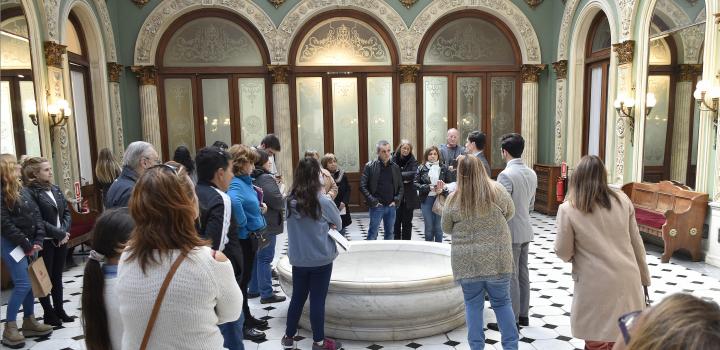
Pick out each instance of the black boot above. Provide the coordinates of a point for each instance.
(51, 318)
(63, 316)
(253, 334)
(252, 322)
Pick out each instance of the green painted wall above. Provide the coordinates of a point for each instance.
(128, 18)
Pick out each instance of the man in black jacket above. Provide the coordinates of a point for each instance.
(214, 170)
(139, 156)
(381, 184)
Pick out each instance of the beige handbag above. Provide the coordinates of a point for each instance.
(439, 204)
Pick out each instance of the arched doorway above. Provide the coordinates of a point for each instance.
(213, 83)
(597, 64)
(344, 92)
(470, 80)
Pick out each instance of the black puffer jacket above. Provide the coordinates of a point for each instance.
(22, 224)
(49, 210)
(408, 168)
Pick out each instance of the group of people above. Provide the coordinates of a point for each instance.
(182, 246)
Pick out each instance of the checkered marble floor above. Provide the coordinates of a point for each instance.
(551, 298)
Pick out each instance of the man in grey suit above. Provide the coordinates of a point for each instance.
(521, 182)
(475, 145)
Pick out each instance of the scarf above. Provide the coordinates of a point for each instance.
(434, 172)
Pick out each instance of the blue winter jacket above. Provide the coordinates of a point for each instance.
(245, 206)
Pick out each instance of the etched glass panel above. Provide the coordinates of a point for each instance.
(211, 42)
(469, 41)
(595, 111)
(657, 121)
(252, 110)
(343, 41)
(80, 115)
(179, 111)
(469, 105)
(601, 38)
(32, 138)
(660, 53)
(15, 53)
(345, 123)
(502, 115)
(435, 110)
(216, 111)
(310, 114)
(7, 132)
(72, 39)
(380, 112)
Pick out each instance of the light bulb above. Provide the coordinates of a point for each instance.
(715, 92)
(618, 103)
(651, 101)
(53, 108)
(29, 106)
(67, 111)
(702, 85)
(62, 104)
(629, 102)
(697, 94)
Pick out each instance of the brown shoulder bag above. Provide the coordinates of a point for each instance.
(159, 300)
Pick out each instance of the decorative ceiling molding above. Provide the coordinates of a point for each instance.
(279, 73)
(408, 73)
(277, 3)
(408, 3)
(533, 3)
(140, 3)
(114, 69)
(626, 9)
(565, 25)
(106, 25)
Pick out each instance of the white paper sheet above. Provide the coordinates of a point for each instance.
(339, 239)
(18, 253)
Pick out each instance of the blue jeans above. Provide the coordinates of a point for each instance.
(314, 281)
(385, 213)
(499, 294)
(261, 279)
(433, 228)
(22, 290)
(232, 333)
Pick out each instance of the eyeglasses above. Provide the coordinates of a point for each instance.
(156, 160)
(172, 168)
(625, 322)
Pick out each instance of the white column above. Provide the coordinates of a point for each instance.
(116, 120)
(626, 135)
(408, 105)
(530, 121)
(281, 122)
(559, 120)
(529, 124)
(150, 116)
(681, 132)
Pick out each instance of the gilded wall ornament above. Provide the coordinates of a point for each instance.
(533, 3)
(147, 75)
(140, 3)
(625, 51)
(54, 53)
(687, 72)
(279, 73)
(114, 70)
(560, 68)
(408, 73)
(276, 3)
(531, 72)
(408, 3)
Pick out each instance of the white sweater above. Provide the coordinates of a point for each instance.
(203, 293)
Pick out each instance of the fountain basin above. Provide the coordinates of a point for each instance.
(388, 290)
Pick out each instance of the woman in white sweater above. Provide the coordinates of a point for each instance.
(201, 294)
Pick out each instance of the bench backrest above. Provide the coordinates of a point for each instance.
(663, 196)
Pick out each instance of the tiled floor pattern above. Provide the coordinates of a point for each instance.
(551, 297)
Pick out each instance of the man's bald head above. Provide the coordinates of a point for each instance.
(452, 137)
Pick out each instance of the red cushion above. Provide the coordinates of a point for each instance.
(80, 229)
(649, 218)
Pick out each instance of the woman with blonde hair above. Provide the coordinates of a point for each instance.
(107, 169)
(198, 286)
(329, 188)
(23, 228)
(38, 177)
(598, 233)
(476, 216)
(678, 322)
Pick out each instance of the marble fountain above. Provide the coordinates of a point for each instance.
(388, 290)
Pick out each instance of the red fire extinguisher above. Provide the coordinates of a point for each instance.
(561, 180)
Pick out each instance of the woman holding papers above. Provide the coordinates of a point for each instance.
(311, 250)
(22, 235)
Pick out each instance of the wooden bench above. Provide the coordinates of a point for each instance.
(670, 215)
(81, 225)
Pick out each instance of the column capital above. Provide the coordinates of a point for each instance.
(625, 51)
(531, 72)
(114, 70)
(560, 68)
(408, 73)
(147, 75)
(54, 53)
(687, 72)
(279, 73)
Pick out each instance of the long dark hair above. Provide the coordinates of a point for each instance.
(182, 156)
(109, 235)
(306, 185)
(589, 186)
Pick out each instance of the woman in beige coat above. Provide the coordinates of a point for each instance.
(598, 233)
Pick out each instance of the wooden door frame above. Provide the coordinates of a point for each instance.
(604, 64)
(12, 76)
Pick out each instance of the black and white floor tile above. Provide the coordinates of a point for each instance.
(551, 298)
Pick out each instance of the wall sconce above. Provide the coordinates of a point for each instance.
(704, 88)
(30, 108)
(59, 112)
(625, 108)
